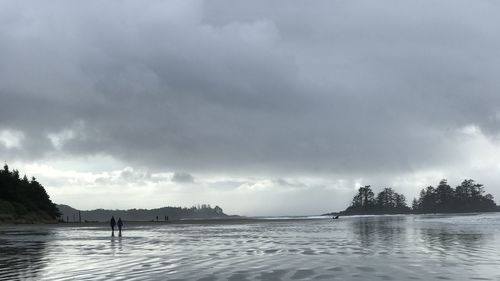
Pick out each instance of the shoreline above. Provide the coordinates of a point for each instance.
(226, 221)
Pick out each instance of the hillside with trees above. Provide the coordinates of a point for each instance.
(24, 200)
(467, 197)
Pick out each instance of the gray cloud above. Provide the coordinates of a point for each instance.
(182, 177)
(334, 87)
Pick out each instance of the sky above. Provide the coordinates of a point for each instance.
(278, 107)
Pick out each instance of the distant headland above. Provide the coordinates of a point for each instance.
(468, 197)
(204, 211)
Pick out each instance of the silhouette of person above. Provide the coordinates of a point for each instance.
(112, 222)
(120, 224)
(156, 218)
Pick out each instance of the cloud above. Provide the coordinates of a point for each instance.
(334, 90)
(182, 177)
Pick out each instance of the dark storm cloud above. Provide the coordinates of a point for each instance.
(220, 86)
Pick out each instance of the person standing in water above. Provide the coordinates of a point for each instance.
(112, 223)
(120, 224)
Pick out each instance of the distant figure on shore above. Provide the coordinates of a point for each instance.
(166, 218)
(112, 223)
(156, 218)
(120, 224)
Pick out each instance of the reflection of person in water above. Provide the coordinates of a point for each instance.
(120, 224)
(112, 223)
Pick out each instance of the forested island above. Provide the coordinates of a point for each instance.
(467, 197)
(24, 200)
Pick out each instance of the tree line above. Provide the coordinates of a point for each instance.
(20, 196)
(466, 197)
(160, 214)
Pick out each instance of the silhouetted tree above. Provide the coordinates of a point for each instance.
(363, 201)
(400, 200)
(364, 198)
(445, 195)
(415, 204)
(386, 199)
(389, 201)
(218, 210)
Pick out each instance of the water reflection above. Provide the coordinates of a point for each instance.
(116, 245)
(389, 231)
(450, 241)
(23, 253)
(352, 248)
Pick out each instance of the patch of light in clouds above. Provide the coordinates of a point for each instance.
(11, 138)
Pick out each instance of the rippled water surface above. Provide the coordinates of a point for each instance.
(451, 247)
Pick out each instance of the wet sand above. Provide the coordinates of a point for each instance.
(435, 247)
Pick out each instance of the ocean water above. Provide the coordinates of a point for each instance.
(411, 247)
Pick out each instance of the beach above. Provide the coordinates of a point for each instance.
(396, 247)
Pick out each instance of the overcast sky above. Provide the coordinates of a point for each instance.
(261, 107)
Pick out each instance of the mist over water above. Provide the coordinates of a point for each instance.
(413, 247)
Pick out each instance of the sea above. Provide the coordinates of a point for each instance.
(395, 247)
